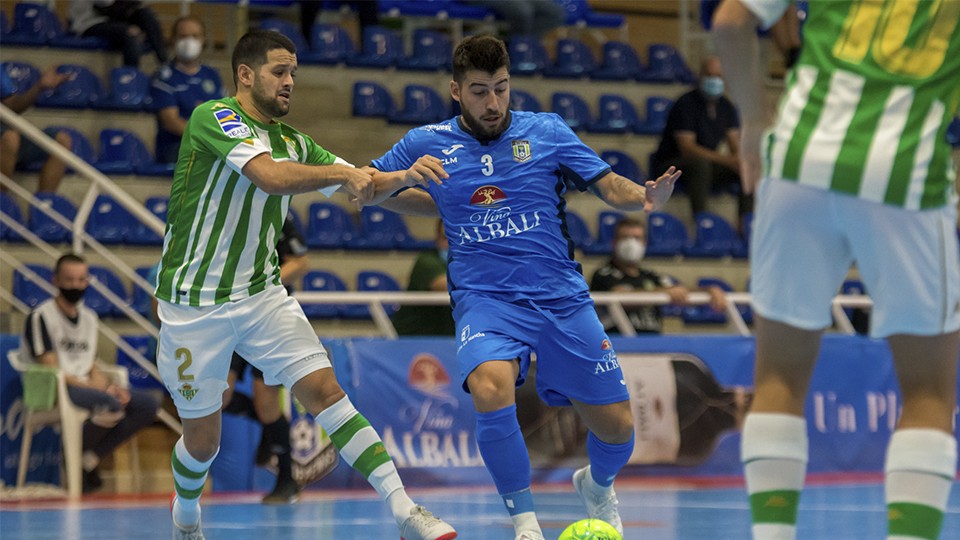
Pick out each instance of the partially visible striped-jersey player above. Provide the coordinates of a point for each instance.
(219, 288)
(514, 284)
(855, 169)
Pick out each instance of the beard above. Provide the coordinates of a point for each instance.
(270, 105)
(480, 130)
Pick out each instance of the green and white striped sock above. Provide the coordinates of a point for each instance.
(920, 467)
(189, 476)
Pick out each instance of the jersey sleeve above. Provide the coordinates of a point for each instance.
(221, 131)
(768, 11)
(35, 335)
(578, 163)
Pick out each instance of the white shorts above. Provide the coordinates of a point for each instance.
(196, 344)
(805, 240)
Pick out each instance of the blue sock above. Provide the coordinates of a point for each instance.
(505, 454)
(606, 460)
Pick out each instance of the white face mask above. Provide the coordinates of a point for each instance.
(188, 49)
(712, 86)
(630, 250)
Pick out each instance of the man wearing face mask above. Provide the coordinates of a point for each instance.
(178, 87)
(62, 333)
(624, 274)
(429, 274)
(700, 123)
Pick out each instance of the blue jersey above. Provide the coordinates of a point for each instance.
(502, 206)
(174, 88)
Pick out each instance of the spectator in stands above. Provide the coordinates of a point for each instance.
(623, 273)
(13, 149)
(181, 85)
(429, 274)
(699, 125)
(62, 333)
(526, 17)
(122, 23)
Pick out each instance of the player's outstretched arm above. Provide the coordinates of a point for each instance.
(425, 170)
(623, 194)
(413, 202)
(289, 178)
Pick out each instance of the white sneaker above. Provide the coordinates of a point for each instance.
(422, 525)
(600, 504)
(530, 535)
(180, 533)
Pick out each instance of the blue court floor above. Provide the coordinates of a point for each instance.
(838, 511)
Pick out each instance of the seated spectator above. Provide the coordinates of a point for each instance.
(122, 23)
(62, 333)
(14, 150)
(429, 274)
(526, 17)
(181, 85)
(623, 273)
(699, 124)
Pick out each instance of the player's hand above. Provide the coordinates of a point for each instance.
(659, 191)
(359, 184)
(426, 169)
(750, 164)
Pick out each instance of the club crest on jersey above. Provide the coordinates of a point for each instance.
(605, 345)
(488, 196)
(521, 150)
(231, 124)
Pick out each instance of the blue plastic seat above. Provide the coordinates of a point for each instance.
(109, 222)
(129, 90)
(371, 280)
(331, 45)
(139, 377)
(617, 115)
(620, 63)
(118, 152)
(79, 145)
(658, 108)
(953, 132)
(606, 226)
(142, 301)
(383, 229)
(380, 48)
(32, 25)
(4, 25)
(26, 290)
(288, 29)
(528, 56)
(10, 207)
(23, 75)
(371, 99)
(661, 64)
(421, 105)
(852, 287)
(329, 226)
(623, 164)
(704, 314)
(573, 109)
(65, 39)
(432, 51)
(44, 226)
(579, 13)
(524, 101)
(715, 237)
(578, 231)
(573, 60)
(743, 251)
(143, 236)
(320, 280)
(666, 235)
(98, 302)
(82, 90)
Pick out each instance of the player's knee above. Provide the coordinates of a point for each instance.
(318, 390)
(64, 139)
(203, 446)
(490, 393)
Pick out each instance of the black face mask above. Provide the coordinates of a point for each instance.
(73, 295)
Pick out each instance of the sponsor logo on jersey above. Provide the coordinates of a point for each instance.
(521, 150)
(609, 362)
(452, 149)
(231, 124)
(605, 345)
(438, 127)
(488, 196)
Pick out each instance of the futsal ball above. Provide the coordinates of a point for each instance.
(590, 529)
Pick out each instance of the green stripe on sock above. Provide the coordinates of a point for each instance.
(775, 506)
(182, 469)
(371, 458)
(346, 432)
(914, 520)
(184, 493)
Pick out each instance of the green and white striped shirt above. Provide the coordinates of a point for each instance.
(221, 235)
(868, 104)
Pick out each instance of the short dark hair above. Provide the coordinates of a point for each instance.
(484, 52)
(67, 258)
(185, 18)
(253, 47)
(628, 222)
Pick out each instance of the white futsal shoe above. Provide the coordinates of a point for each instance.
(601, 502)
(530, 535)
(422, 525)
(180, 533)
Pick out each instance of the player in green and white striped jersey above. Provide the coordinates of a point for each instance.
(855, 169)
(219, 287)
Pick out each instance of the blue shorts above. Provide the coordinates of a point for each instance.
(575, 359)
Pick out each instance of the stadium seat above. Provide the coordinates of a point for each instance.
(82, 90)
(26, 290)
(421, 105)
(953, 132)
(523, 101)
(579, 13)
(331, 45)
(80, 146)
(852, 287)
(10, 207)
(44, 226)
(371, 99)
(118, 152)
(661, 64)
(432, 51)
(658, 108)
(109, 222)
(142, 235)
(381, 48)
(617, 115)
(329, 226)
(320, 280)
(139, 377)
(98, 302)
(623, 164)
(4, 26)
(141, 301)
(715, 237)
(704, 314)
(620, 63)
(606, 224)
(32, 25)
(288, 29)
(743, 251)
(573, 109)
(578, 231)
(371, 280)
(527, 55)
(129, 90)
(573, 60)
(383, 229)
(23, 75)
(666, 235)
(64, 39)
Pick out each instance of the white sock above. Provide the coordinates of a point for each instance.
(526, 521)
(189, 476)
(920, 467)
(400, 504)
(90, 461)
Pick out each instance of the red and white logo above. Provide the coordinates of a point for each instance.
(428, 375)
(488, 196)
(605, 345)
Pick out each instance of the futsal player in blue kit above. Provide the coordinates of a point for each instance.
(514, 285)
